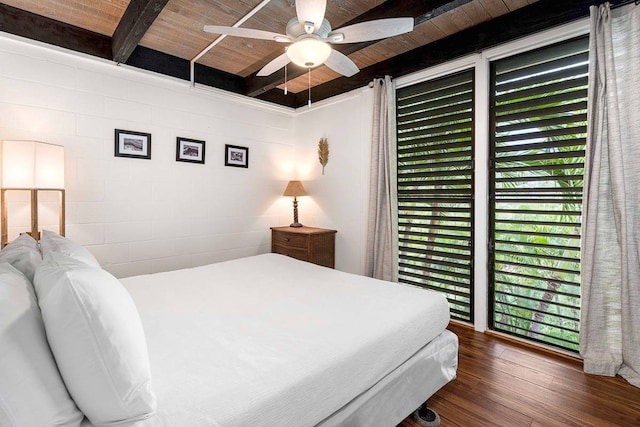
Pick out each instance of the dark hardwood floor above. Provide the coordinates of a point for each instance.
(502, 383)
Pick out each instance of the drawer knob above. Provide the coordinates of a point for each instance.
(286, 239)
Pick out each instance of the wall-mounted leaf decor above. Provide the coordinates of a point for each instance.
(323, 153)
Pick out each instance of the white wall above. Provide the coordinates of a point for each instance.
(339, 198)
(142, 216)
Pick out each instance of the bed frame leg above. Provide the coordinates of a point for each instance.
(426, 417)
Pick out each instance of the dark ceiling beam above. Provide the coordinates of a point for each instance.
(36, 27)
(536, 17)
(135, 22)
(420, 10)
(169, 65)
(277, 96)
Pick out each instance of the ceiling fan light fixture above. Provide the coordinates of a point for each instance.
(311, 36)
(309, 52)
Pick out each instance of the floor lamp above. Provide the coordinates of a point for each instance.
(34, 167)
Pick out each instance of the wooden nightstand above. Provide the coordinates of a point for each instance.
(316, 245)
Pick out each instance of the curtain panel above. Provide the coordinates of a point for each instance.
(610, 272)
(381, 260)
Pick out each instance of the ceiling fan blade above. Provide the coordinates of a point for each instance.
(340, 63)
(371, 30)
(247, 32)
(274, 65)
(311, 11)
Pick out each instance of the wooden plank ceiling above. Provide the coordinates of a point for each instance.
(164, 35)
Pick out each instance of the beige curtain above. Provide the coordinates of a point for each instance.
(381, 260)
(610, 312)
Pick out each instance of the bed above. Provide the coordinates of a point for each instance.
(272, 341)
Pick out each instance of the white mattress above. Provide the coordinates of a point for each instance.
(405, 389)
(271, 341)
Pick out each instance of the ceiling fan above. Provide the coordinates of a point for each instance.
(311, 35)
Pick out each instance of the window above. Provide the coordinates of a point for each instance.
(538, 121)
(435, 188)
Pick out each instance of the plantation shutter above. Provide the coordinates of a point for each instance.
(435, 188)
(538, 116)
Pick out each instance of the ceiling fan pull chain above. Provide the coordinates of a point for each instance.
(285, 80)
(309, 86)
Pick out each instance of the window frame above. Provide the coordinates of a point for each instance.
(440, 113)
(481, 63)
(531, 76)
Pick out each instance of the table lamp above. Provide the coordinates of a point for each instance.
(295, 189)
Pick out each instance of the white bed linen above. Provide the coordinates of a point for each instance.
(271, 341)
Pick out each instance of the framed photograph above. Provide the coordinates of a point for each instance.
(189, 150)
(133, 144)
(236, 156)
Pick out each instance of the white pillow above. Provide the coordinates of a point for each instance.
(24, 254)
(96, 336)
(32, 393)
(53, 242)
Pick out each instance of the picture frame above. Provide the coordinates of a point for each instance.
(190, 150)
(236, 156)
(132, 144)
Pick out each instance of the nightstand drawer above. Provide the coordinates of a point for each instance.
(300, 254)
(291, 239)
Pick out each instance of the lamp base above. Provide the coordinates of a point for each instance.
(295, 214)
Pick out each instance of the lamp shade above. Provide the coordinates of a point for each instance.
(308, 52)
(294, 189)
(32, 164)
